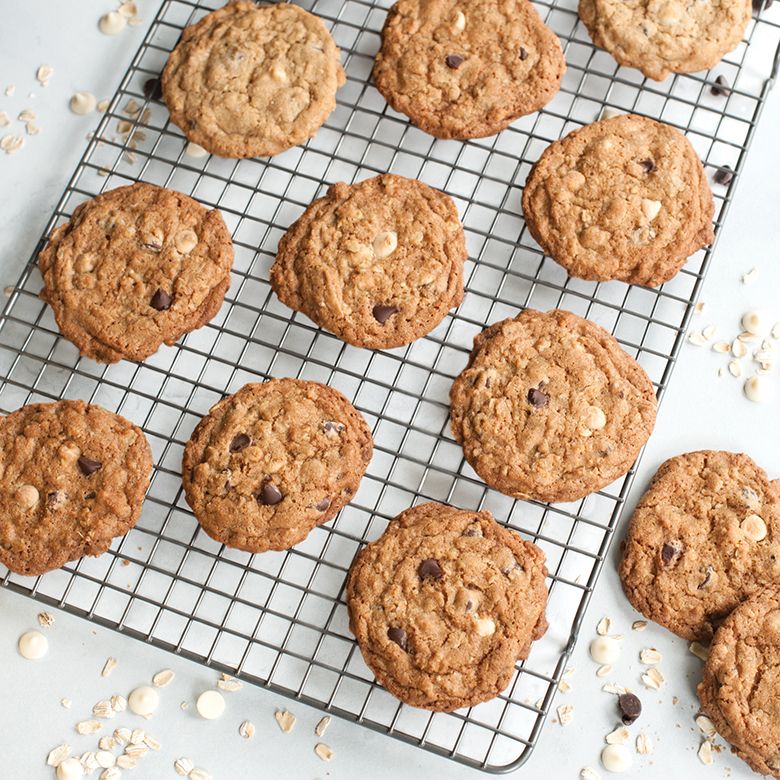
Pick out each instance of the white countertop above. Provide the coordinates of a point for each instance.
(700, 410)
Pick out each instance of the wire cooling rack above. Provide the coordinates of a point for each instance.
(279, 619)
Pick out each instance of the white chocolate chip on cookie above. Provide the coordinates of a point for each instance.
(385, 243)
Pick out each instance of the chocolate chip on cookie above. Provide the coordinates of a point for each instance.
(444, 604)
(74, 476)
(267, 465)
(378, 263)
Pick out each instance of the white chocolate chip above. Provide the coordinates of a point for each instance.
(70, 769)
(650, 208)
(33, 645)
(385, 243)
(83, 103)
(754, 322)
(195, 150)
(143, 700)
(185, 241)
(27, 496)
(459, 25)
(210, 705)
(573, 181)
(604, 650)
(595, 419)
(616, 758)
(486, 626)
(754, 528)
(112, 23)
(757, 389)
(278, 73)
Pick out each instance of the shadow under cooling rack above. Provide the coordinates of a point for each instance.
(279, 619)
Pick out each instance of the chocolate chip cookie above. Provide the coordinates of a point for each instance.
(252, 81)
(378, 263)
(704, 536)
(739, 689)
(467, 68)
(550, 407)
(670, 36)
(624, 198)
(134, 268)
(444, 604)
(273, 461)
(72, 477)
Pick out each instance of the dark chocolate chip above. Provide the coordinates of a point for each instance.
(761, 5)
(161, 300)
(153, 89)
(670, 552)
(454, 61)
(153, 245)
(89, 466)
(397, 635)
(329, 426)
(269, 494)
(630, 707)
(88, 496)
(383, 313)
(721, 87)
(322, 505)
(473, 530)
(54, 499)
(430, 568)
(538, 398)
(648, 166)
(240, 442)
(723, 175)
(523, 53)
(707, 578)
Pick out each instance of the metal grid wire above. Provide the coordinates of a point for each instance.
(279, 619)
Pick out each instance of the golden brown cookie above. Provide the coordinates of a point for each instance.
(550, 407)
(467, 68)
(444, 604)
(660, 37)
(252, 81)
(378, 263)
(273, 461)
(72, 477)
(739, 689)
(134, 268)
(624, 198)
(704, 536)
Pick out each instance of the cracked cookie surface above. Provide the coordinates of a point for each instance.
(704, 536)
(444, 604)
(72, 477)
(467, 68)
(550, 407)
(378, 263)
(623, 198)
(135, 268)
(660, 37)
(252, 81)
(741, 679)
(267, 465)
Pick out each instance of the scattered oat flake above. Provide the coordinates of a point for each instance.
(11, 144)
(749, 276)
(699, 650)
(699, 308)
(108, 666)
(619, 736)
(88, 726)
(136, 750)
(58, 755)
(322, 726)
(696, 338)
(32, 128)
(89, 762)
(228, 683)
(564, 686)
(128, 10)
(644, 744)
(4, 119)
(132, 108)
(151, 742)
(721, 346)
(161, 679)
(603, 671)
(735, 369)
(66, 703)
(135, 21)
(103, 709)
(183, 766)
(102, 106)
(776, 331)
(199, 774)
(122, 735)
(10, 89)
(44, 73)
(565, 714)
(26, 116)
(286, 720)
(708, 332)
(650, 656)
(46, 619)
(705, 752)
(639, 625)
(107, 743)
(603, 627)
(118, 703)
(616, 689)
(322, 750)
(588, 773)
(112, 773)
(137, 736)
(653, 678)
(126, 762)
(705, 725)
(247, 729)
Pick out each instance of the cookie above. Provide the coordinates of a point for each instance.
(72, 477)
(624, 198)
(378, 263)
(467, 68)
(444, 604)
(673, 36)
(267, 465)
(739, 688)
(134, 268)
(704, 536)
(550, 407)
(252, 81)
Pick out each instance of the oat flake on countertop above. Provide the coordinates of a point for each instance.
(644, 745)
(705, 752)
(323, 751)
(199, 774)
(619, 736)
(46, 619)
(322, 726)
(565, 714)
(162, 678)
(108, 666)
(247, 729)
(183, 766)
(58, 755)
(11, 144)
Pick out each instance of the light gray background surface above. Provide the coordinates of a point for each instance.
(700, 410)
